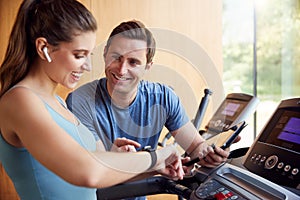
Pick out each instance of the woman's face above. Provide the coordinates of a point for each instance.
(71, 59)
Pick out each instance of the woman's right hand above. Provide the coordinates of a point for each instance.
(169, 162)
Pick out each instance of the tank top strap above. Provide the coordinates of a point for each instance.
(60, 100)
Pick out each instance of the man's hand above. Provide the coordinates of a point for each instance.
(125, 145)
(218, 156)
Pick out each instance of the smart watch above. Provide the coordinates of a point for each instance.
(152, 154)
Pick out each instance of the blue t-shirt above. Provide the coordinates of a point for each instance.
(154, 107)
(34, 181)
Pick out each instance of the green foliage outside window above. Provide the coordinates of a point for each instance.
(277, 43)
(275, 24)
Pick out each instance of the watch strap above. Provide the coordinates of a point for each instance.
(152, 154)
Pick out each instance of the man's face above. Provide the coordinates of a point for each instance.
(125, 65)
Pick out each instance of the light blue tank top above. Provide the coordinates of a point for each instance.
(35, 182)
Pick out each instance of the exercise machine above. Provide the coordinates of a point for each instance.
(269, 170)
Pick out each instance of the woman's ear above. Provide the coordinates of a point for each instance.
(42, 48)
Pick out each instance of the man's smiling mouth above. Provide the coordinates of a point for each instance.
(120, 78)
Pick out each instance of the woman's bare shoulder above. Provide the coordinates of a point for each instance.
(18, 100)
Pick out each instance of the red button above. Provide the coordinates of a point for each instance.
(220, 196)
(223, 195)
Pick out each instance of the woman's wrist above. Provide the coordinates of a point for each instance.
(153, 155)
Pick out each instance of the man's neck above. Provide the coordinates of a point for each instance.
(123, 100)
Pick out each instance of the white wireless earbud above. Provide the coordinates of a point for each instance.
(45, 50)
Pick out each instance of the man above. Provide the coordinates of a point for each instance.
(123, 108)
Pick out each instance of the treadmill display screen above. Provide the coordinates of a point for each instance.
(291, 131)
(286, 132)
(230, 109)
(227, 113)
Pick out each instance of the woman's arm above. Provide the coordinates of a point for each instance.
(24, 114)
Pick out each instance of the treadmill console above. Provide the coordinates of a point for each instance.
(232, 182)
(236, 107)
(275, 155)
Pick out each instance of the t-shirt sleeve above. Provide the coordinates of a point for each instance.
(82, 106)
(177, 116)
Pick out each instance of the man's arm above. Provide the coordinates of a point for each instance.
(195, 146)
(83, 108)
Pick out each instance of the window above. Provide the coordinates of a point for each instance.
(261, 41)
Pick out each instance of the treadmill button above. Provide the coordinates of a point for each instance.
(271, 162)
(280, 165)
(287, 168)
(258, 157)
(295, 171)
(263, 159)
(253, 157)
(223, 195)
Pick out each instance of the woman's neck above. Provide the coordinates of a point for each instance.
(40, 84)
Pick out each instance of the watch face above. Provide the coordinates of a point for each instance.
(148, 148)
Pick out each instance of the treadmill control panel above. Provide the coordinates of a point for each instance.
(235, 108)
(275, 155)
(213, 189)
(230, 182)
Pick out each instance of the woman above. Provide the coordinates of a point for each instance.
(45, 150)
